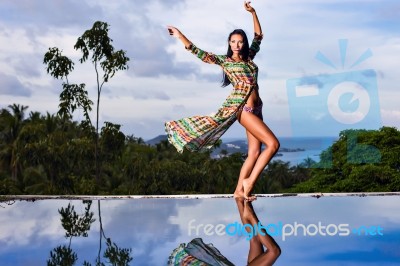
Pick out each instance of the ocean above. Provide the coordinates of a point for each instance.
(293, 149)
(313, 146)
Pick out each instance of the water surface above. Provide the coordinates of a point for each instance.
(339, 229)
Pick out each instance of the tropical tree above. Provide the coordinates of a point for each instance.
(96, 44)
(10, 148)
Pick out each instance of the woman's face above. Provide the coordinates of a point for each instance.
(236, 43)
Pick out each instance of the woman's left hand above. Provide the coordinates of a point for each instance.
(248, 7)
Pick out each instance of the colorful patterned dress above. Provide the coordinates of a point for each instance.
(197, 133)
(197, 253)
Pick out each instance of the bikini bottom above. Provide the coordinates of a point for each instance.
(256, 110)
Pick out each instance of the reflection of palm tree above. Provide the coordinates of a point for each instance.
(257, 255)
(76, 225)
(115, 254)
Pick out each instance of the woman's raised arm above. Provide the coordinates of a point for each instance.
(257, 26)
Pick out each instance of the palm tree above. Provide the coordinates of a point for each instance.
(307, 163)
(12, 123)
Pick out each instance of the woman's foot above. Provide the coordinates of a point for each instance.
(238, 193)
(247, 188)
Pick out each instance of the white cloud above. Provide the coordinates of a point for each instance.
(391, 117)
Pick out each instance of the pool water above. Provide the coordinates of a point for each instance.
(360, 229)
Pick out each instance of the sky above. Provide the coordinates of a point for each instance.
(165, 82)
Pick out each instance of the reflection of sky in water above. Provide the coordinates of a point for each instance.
(154, 227)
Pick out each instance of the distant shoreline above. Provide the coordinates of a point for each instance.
(230, 139)
(293, 149)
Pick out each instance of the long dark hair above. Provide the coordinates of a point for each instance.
(244, 52)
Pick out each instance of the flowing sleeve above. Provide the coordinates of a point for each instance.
(206, 56)
(255, 45)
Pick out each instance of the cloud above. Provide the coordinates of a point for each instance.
(391, 117)
(275, 99)
(10, 85)
(48, 14)
(178, 108)
(133, 29)
(162, 66)
(24, 231)
(144, 37)
(26, 65)
(146, 94)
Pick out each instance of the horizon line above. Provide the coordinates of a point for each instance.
(5, 198)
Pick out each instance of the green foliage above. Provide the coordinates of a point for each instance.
(58, 65)
(62, 256)
(9, 187)
(11, 146)
(112, 141)
(117, 256)
(74, 96)
(79, 226)
(47, 154)
(360, 161)
(76, 225)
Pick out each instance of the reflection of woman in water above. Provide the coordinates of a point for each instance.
(244, 104)
(198, 253)
(257, 255)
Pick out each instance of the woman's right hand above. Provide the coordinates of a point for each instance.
(177, 34)
(174, 32)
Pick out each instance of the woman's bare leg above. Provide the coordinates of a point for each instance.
(256, 127)
(257, 255)
(256, 247)
(253, 151)
(273, 250)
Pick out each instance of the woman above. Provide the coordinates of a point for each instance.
(263, 249)
(243, 104)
